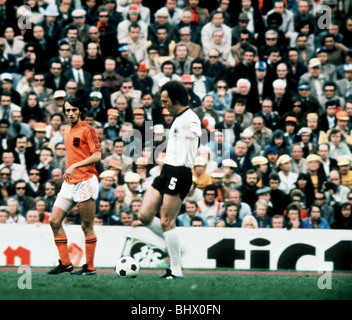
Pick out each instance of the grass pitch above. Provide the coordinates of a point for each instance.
(148, 286)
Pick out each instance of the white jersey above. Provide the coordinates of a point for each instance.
(181, 150)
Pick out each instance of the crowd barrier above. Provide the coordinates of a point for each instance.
(202, 248)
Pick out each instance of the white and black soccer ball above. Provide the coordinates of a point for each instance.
(127, 267)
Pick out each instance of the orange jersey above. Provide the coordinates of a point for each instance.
(81, 142)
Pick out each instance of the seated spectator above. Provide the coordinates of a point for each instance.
(185, 219)
(261, 214)
(4, 214)
(229, 218)
(33, 217)
(249, 222)
(197, 222)
(14, 213)
(277, 222)
(210, 208)
(343, 217)
(292, 218)
(314, 220)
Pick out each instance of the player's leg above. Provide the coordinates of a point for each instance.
(151, 204)
(87, 211)
(168, 214)
(58, 214)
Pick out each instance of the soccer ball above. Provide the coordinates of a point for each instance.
(127, 267)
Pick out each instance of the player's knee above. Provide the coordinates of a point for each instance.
(167, 224)
(144, 218)
(55, 224)
(86, 226)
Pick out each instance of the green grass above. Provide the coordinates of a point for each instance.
(107, 286)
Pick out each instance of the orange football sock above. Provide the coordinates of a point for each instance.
(61, 243)
(91, 243)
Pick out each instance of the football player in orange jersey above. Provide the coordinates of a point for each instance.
(80, 186)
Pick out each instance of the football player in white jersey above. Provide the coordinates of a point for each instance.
(168, 190)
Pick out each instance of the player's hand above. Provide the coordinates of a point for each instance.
(68, 173)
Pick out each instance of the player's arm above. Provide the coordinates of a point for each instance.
(93, 159)
(194, 131)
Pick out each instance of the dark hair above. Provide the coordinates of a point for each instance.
(210, 187)
(292, 206)
(170, 63)
(313, 205)
(196, 218)
(230, 204)
(274, 176)
(135, 26)
(177, 92)
(274, 49)
(46, 149)
(71, 27)
(197, 60)
(334, 102)
(75, 102)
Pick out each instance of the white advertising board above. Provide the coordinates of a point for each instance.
(203, 248)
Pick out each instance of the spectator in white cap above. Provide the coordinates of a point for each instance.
(50, 24)
(345, 85)
(161, 19)
(79, 20)
(97, 106)
(7, 86)
(315, 78)
(57, 102)
(281, 98)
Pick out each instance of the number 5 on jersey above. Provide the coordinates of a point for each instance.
(172, 184)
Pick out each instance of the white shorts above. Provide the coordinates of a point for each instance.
(79, 192)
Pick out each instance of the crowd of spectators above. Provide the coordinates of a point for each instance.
(270, 80)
